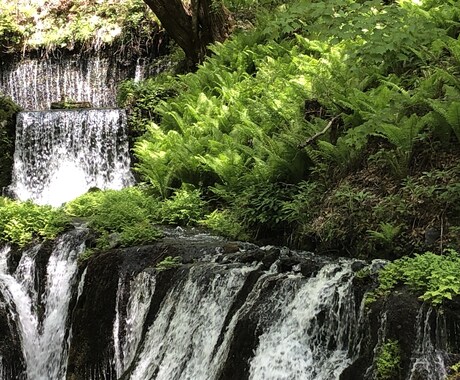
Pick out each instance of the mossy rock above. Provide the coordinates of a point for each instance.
(70, 105)
(8, 111)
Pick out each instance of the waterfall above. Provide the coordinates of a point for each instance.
(59, 155)
(35, 83)
(129, 320)
(307, 325)
(181, 340)
(428, 359)
(309, 337)
(42, 320)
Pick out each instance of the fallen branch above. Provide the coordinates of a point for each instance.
(316, 135)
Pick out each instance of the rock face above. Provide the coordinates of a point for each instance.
(236, 311)
(8, 111)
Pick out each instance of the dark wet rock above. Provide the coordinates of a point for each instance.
(93, 316)
(358, 265)
(400, 310)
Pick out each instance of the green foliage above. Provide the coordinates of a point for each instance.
(10, 34)
(433, 277)
(34, 24)
(185, 207)
(22, 222)
(142, 98)
(168, 262)
(388, 360)
(386, 234)
(324, 122)
(125, 216)
(226, 224)
(454, 372)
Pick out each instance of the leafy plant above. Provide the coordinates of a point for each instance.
(433, 277)
(225, 224)
(168, 263)
(125, 215)
(387, 233)
(388, 360)
(21, 222)
(185, 207)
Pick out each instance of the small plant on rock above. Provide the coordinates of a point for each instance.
(168, 262)
(388, 360)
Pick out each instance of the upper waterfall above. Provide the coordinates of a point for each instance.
(34, 83)
(59, 155)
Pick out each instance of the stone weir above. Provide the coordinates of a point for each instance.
(229, 311)
(36, 80)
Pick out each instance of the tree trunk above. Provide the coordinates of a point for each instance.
(193, 27)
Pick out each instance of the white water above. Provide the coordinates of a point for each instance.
(43, 341)
(428, 360)
(301, 344)
(59, 155)
(35, 83)
(180, 343)
(129, 320)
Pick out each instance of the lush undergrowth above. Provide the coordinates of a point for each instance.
(34, 24)
(432, 277)
(333, 126)
(23, 222)
(119, 218)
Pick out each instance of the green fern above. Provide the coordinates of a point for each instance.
(450, 112)
(387, 233)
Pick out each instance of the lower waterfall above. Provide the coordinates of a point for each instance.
(309, 339)
(213, 319)
(59, 155)
(428, 361)
(41, 315)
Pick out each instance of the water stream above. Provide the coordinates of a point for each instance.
(34, 83)
(42, 320)
(59, 155)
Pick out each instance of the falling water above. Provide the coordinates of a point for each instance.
(309, 339)
(180, 343)
(129, 320)
(428, 360)
(35, 83)
(308, 326)
(43, 336)
(59, 155)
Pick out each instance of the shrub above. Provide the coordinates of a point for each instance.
(168, 262)
(225, 224)
(388, 360)
(126, 215)
(185, 207)
(433, 277)
(21, 222)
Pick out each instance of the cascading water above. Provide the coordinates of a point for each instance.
(308, 325)
(129, 320)
(35, 83)
(42, 324)
(180, 343)
(428, 361)
(309, 338)
(59, 155)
